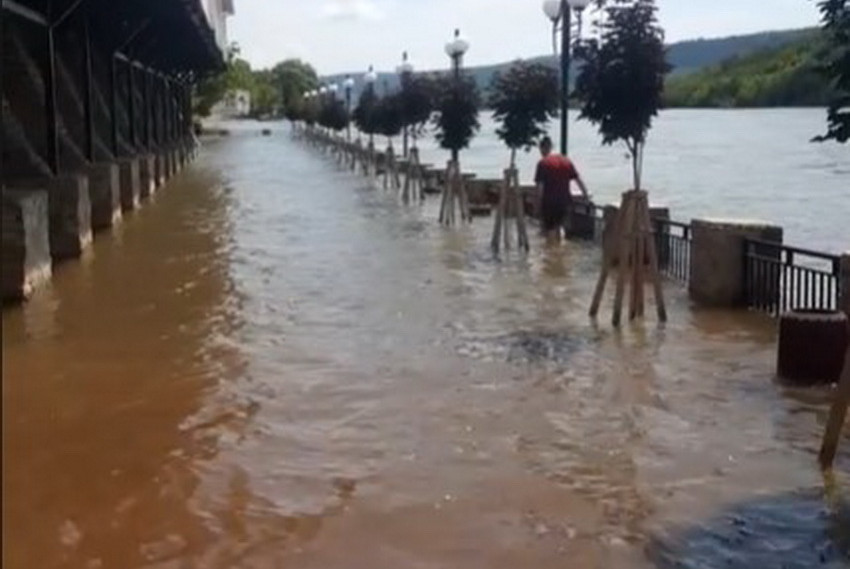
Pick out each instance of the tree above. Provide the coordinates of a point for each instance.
(236, 76)
(621, 81)
(365, 116)
(264, 99)
(293, 78)
(333, 114)
(456, 102)
(389, 116)
(524, 99)
(311, 111)
(417, 102)
(836, 66)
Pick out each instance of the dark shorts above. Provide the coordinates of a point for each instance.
(553, 214)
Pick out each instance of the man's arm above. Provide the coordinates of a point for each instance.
(580, 182)
(582, 187)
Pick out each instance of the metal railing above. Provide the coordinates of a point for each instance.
(779, 278)
(673, 241)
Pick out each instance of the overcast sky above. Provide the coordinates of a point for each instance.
(348, 35)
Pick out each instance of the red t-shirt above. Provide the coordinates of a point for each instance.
(555, 172)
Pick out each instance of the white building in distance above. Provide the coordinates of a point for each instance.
(217, 12)
(235, 105)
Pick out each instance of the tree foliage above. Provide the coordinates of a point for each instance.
(389, 116)
(417, 101)
(836, 66)
(311, 111)
(621, 80)
(237, 75)
(292, 78)
(524, 99)
(332, 114)
(456, 103)
(365, 116)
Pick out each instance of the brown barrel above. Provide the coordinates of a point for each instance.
(812, 345)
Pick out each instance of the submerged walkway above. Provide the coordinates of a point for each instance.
(274, 365)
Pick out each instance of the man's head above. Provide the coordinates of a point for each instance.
(546, 146)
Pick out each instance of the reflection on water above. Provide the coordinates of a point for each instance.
(276, 365)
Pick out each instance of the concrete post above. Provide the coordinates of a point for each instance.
(844, 283)
(147, 176)
(581, 223)
(105, 193)
(160, 165)
(26, 243)
(130, 181)
(69, 212)
(717, 276)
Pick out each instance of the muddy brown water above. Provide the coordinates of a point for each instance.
(275, 365)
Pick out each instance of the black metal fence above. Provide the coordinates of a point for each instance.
(673, 241)
(779, 278)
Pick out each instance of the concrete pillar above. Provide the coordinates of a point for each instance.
(70, 216)
(160, 169)
(105, 193)
(69, 211)
(484, 191)
(147, 175)
(717, 276)
(181, 155)
(26, 243)
(130, 181)
(581, 222)
(844, 283)
(169, 163)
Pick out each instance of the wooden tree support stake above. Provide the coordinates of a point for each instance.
(454, 193)
(510, 201)
(631, 246)
(413, 179)
(369, 168)
(391, 177)
(837, 416)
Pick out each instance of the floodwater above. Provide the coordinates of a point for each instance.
(274, 364)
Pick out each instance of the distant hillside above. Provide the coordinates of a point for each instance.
(693, 55)
(777, 76)
(686, 57)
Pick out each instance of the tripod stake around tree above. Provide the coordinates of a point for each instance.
(391, 176)
(632, 244)
(510, 203)
(413, 179)
(454, 194)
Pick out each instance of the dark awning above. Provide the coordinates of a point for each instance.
(171, 35)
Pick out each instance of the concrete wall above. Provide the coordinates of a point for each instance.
(717, 259)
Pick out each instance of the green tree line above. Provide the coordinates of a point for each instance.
(786, 76)
(272, 90)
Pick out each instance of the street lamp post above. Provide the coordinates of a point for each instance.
(370, 79)
(349, 85)
(560, 12)
(456, 49)
(405, 70)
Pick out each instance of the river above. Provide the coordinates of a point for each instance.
(274, 364)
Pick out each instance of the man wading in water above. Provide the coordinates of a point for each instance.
(553, 177)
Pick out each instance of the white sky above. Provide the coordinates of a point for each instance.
(349, 35)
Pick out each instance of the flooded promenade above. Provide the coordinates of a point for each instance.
(275, 364)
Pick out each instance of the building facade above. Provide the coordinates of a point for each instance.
(217, 12)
